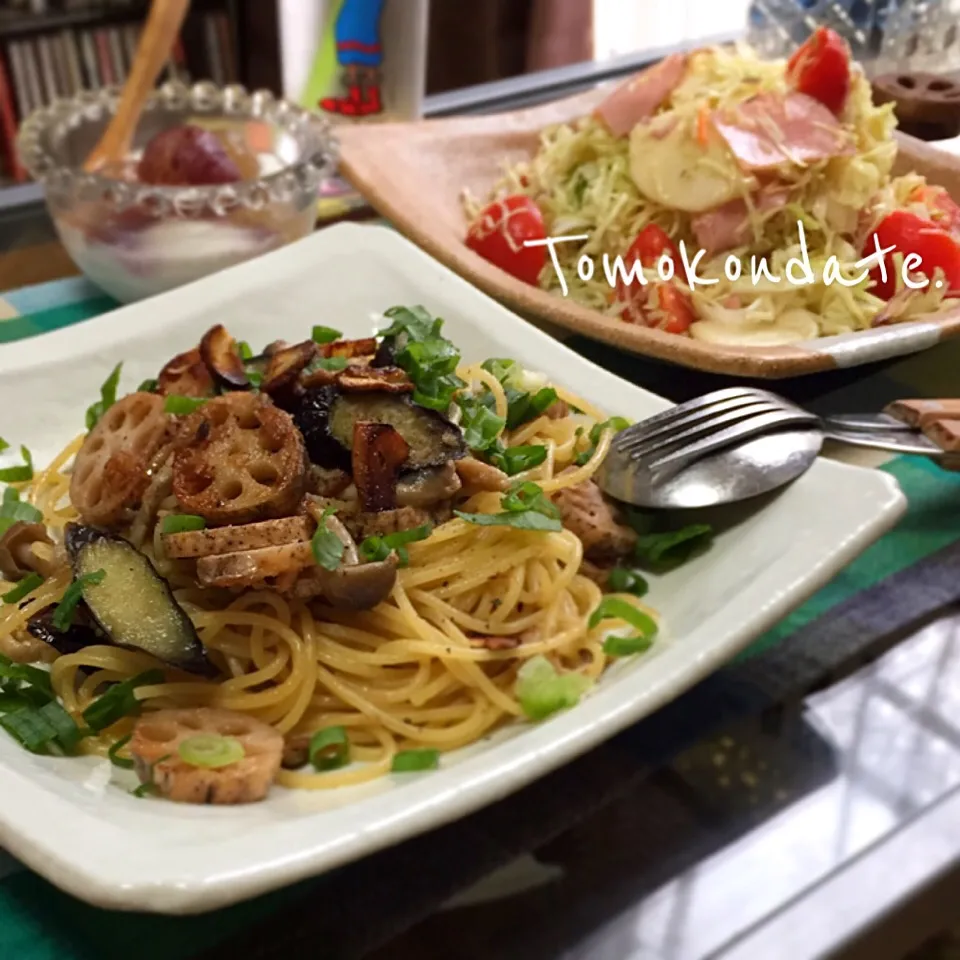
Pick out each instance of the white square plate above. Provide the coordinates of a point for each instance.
(94, 840)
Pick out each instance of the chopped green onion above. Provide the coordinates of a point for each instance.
(415, 322)
(520, 521)
(671, 548)
(37, 728)
(326, 545)
(113, 754)
(414, 761)
(182, 522)
(481, 426)
(437, 392)
(514, 460)
(63, 615)
(500, 368)
(28, 728)
(19, 474)
(243, 348)
(68, 734)
(622, 580)
(108, 397)
(3, 445)
(620, 609)
(329, 363)
(526, 507)
(375, 549)
(526, 496)
(614, 423)
(210, 750)
(24, 678)
(428, 358)
(13, 510)
(614, 646)
(322, 334)
(27, 585)
(329, 748)
(181, 406)
(148, 386)
(119, 701)
(523, 407)
(542, 690)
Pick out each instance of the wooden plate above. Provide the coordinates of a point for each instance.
(414, 173)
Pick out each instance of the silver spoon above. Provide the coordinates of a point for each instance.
(726, 446)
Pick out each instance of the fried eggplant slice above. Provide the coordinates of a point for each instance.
(133, 604)
(246, 536)
(186, 375)
(326, 418)
(219, 352)
(378, 454)
(240, 459)
(111, 471)
(81, 633)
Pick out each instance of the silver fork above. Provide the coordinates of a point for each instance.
(669, 442)
(878, 431)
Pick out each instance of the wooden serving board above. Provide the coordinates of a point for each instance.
(414, 174)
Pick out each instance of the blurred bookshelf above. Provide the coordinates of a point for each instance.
(55, 48)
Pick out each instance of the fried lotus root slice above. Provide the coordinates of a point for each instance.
(112, 468)
(245, 536)
(186, 375)
(156, 750)
(239, 459)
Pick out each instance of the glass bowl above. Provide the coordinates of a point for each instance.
(133, 239)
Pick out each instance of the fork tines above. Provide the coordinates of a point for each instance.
(698, 426)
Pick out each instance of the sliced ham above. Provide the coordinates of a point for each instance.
(637, 98)
(728, 226)
(769, 130)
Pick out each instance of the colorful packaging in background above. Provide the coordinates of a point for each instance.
(369, 65)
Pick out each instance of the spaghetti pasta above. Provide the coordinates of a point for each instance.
(433, 666)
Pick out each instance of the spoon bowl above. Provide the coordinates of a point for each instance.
(736, 473)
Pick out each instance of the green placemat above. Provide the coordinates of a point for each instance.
(38, 922)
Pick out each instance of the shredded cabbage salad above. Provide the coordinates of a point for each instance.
(582, 182)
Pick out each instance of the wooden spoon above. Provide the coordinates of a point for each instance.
(156, 44)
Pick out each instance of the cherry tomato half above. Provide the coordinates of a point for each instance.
(499, 232)
(820, 68)
(908, 233)
(674, 312)
(944, 212)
